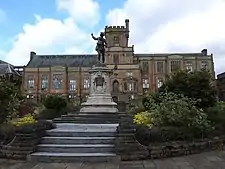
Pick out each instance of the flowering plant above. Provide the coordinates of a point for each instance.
(144, 119)
(26, 120)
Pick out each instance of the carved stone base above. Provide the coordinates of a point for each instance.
(100, 99)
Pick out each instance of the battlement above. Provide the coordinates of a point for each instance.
(115, 29)
(118, 28)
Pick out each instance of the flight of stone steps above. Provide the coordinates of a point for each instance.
(80, 138)
(91, 117)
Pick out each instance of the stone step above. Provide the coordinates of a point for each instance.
(87, 121)
(96, 114)
(76, 148)
(78, 140)
(80, 116)
(80, 133)
(72, 157)
(72, 126)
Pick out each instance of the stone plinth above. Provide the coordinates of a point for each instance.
(99, 99)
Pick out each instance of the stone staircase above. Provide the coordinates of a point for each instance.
(79, 138)
(91, 118)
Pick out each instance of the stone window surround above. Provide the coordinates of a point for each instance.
(30, 82)
(57, 78)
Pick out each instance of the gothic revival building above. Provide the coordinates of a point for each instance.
(133, 73)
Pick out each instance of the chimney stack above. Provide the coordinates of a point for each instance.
(204, 52)
(127, 27)
(32, 54)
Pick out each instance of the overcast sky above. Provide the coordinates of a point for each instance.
(157, 26)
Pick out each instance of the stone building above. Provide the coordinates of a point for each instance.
(220, 81)
(133, 73)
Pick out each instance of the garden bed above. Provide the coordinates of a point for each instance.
(25, 141)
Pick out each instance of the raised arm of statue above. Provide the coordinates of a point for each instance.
(93, 37)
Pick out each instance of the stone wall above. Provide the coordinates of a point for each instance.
(130, 149)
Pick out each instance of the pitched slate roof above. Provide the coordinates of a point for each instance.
(62, 60)
(6, 68)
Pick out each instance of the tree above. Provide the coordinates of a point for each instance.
(9, 99)
(196, 85)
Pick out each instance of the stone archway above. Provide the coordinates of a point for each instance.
(116, 86)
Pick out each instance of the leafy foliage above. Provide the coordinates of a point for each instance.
(55, 102)
(143, 119)
(26, 120)
(9, 100)
(196, 85)
(135, 106)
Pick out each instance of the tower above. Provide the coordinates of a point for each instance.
(117, 35)
(118, 51)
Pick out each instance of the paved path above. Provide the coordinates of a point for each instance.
(211, 160)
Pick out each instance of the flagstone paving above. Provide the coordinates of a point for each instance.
(210, 160)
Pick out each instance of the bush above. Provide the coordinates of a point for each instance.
(172, 117)
(55, 102)
(26, 120)
(9, 100)
(26, 108)
(135, 106)
(49, 114)
(28, 124)
(196, 85)
(7, 133)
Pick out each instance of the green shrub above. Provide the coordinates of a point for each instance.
(7, 133)
(135, 106)
(50, 114)
(216, 115)
(173, 117)
(196, 85)
(55, 102)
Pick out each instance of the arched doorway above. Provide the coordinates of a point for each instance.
(116, 87)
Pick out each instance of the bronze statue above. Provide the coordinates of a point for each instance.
(100, 47)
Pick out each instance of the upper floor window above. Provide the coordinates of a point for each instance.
(204, 65)
(116, 40)
(115, 58)
(145, 83)
(175, 65)
(57, 81)
(86, 83)
(44, 82)
(189, 66)
(159, 67)
(72, 83)
(145, 66)
(30, 82)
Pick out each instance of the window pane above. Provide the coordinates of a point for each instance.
(44, 81)
(30, 82)
(57, 81)
(86, 83)
(145, 83)
(72, 84)
(160, 68)
(175, 65)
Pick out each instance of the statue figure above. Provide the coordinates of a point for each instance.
(100, 47)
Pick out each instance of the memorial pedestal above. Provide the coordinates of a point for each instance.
(99, 99)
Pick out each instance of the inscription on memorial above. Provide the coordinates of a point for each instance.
(99, 81)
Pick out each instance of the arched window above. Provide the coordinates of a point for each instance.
(116, 87)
